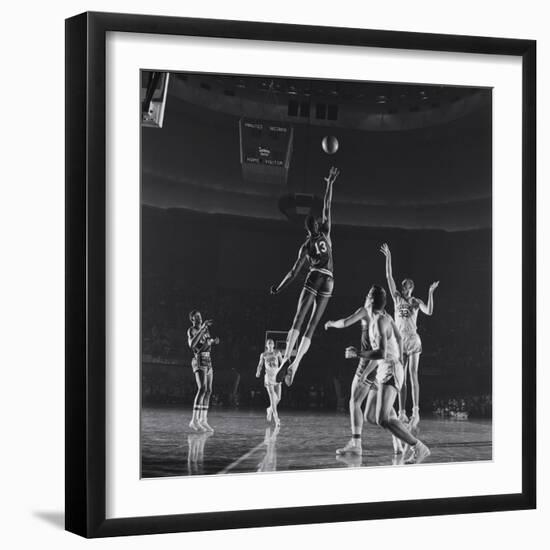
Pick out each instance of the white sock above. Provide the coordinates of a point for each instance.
(302, 349)
(290, 343)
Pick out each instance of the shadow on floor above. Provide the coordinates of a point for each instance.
(57, 519)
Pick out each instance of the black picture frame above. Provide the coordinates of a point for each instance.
(86, 263)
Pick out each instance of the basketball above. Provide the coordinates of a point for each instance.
(330, 145)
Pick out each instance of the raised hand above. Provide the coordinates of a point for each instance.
(208, 323)
(332, 175)
(433, 286)
(328, 325)
(385, 249)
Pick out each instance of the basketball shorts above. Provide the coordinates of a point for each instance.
(411, 343)
(390, 373)
(369, 379)
(270, 379)
(319, 283)
(202, 361)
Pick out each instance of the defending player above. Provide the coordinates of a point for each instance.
(200, 342)
(271, 360)
(406, 313)
(317, 253)
(386, 357)
(363, 382)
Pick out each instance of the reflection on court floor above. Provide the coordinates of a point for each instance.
(244, 442)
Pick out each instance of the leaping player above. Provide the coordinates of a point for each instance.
(317, 290)
(406, 314)
(386, 358)
(200, 342)
(271, 360)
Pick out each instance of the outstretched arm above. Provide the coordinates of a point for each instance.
(361, 313)
(327, 203)
(385, 249)
(429, 309)
(291, 275)
(260, 365)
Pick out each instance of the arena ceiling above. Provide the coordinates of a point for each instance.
(410, 156)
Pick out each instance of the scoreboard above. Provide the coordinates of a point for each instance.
(266, 150)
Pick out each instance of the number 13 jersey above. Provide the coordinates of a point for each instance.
(319, 253)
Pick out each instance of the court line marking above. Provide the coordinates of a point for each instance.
(243, 457)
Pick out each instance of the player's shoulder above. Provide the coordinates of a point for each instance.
(397, 295)
(363, 311)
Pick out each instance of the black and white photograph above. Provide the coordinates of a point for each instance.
(316, 274)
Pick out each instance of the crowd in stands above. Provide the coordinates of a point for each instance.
(464, 407)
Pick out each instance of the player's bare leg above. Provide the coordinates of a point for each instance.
(195, 423)
(317, 311)
(273, 403)
(277, 389)
(359, 391)
(384, 403)
(402, 396)
(370, 407)
(370, 416)
(384, 407)
(415, 391)
(206, 401)
(278, 392)
(305, 302)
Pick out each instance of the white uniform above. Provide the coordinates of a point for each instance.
(406, 313)
(390, 370)
(271, 363)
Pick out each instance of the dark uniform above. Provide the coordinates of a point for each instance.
(320, 279)
(201, 351)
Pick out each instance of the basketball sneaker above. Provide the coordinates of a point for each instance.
(353, 446)
(419, 453)
(196, 425)
(206, 427)
(289, 376)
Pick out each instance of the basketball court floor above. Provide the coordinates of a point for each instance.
(244, 442)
